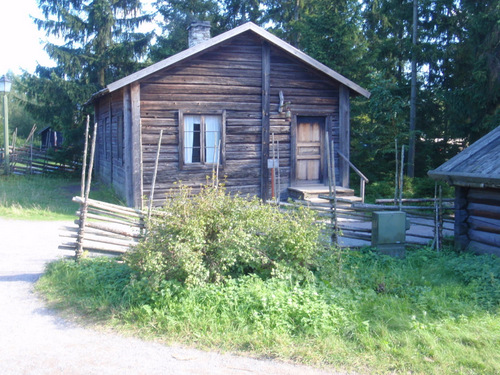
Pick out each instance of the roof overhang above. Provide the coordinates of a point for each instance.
(466, 179)
(216, 41)
(97, 95)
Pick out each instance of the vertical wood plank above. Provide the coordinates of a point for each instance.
(111, 138)
(461, 215)
(327, 138)
(344, 134)
(127, 130)
(266, 108)
(222, 151)
(135, 93)
(181, 139)
(293, 151)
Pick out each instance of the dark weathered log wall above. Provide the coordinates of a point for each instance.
(309, 94)
(226, 79)
(102, 165)
(110, 147)
(483, 220)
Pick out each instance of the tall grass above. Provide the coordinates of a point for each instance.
(43, 197)
(431, 313)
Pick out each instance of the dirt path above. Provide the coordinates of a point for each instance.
(34, 340)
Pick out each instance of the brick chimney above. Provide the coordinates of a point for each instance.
(199, 31)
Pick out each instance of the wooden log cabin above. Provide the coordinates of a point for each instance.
(222, 101)
(475, 173)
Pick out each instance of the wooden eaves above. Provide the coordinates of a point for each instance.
(213, 42)
(476, 166)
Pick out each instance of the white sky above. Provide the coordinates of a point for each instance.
(21, 43)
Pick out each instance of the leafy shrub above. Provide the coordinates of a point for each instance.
(212, 236)
(482, 273)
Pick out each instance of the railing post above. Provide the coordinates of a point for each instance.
(362, 190)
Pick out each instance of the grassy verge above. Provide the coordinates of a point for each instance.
(43, 197)
(431, 313)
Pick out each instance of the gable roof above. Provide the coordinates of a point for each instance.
(477, 165)
(199, 48)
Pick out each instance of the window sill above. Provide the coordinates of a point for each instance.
(199, 167)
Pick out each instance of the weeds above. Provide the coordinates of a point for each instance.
(422, 314)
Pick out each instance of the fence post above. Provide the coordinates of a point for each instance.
(84, 161)
(151, 196)
(84, 206)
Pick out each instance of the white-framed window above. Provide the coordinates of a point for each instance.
(201, 138)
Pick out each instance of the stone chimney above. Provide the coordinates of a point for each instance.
(199, 31)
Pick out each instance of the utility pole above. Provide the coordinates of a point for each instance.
(5, 85)
(413, 94)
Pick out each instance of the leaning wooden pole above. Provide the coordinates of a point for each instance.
(334, 181)
(273, 174)
(84, 162)
(401, 179)
(440, 219)
(153, 183)
(329, 164)
(396, 177)
(329, 169)
(84, 207)
(218, 151)
(278, 196)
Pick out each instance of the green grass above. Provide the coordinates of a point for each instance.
(431, 313)
(44, 197)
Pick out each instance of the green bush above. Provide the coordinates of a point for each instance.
(418, 187)
(212, 236)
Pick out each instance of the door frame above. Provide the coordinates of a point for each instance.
(293, 145)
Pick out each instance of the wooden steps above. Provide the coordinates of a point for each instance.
(314, 193)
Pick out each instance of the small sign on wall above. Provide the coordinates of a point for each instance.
(272, 163)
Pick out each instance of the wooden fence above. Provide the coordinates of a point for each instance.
(430, 219)
(108, 228)
(28, 159)
(112, 229)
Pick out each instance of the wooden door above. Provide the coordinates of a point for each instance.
(309, 151)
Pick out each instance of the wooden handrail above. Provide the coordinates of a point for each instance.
(362, 180)
(353, 167)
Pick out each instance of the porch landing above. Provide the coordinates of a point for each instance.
(313, 192)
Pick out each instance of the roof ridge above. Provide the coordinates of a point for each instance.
(212, 42)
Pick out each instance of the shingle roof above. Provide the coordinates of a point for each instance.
(202, 47)
(478, 164)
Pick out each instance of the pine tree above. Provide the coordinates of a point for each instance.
(176, 16)
(101, 44)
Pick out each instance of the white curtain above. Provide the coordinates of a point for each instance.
(212, 137)
(188, 137)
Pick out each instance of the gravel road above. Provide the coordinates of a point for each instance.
(34, 340)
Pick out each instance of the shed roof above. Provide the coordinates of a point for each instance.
(202, 47)
(477, 165)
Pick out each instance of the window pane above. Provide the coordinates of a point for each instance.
(192, 139)
(196, 143)
(212, 138)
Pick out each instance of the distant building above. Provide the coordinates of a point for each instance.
(475, 173)
(50, 138)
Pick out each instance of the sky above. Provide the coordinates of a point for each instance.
(21, 43)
